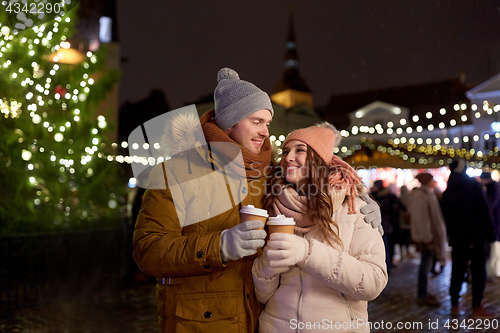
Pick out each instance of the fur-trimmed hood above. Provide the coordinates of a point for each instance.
(182, 132)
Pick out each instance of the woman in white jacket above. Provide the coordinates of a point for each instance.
(320, 278)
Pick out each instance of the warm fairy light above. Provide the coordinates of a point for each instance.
(36, 119)
(13, 110)
(26, 155)
(58, 137)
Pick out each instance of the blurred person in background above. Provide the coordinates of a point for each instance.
(404, 237)
(428, 231)
(470, 229)
(493, 195)
(389, 208)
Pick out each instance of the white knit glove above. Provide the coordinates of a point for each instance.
(372, 213)
(242, 240)
(262, 268)
(287, 250)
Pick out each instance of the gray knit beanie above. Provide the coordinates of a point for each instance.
(236, 99)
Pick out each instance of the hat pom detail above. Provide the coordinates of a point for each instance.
(338, 136)
(227, 74)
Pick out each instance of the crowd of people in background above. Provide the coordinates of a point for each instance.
(465, 217)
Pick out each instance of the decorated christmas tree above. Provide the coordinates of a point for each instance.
(55, 169)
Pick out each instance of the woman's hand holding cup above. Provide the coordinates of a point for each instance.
(286, 250)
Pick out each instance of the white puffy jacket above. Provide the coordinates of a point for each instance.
(331, 290)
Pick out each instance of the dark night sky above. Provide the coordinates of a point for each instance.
(344, 46)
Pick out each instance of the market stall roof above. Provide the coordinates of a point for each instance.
(369, 154)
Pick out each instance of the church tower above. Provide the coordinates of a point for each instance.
(291, 90)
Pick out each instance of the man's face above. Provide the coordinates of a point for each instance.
(251, 131)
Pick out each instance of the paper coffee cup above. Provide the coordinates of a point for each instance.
(280, 223)
(249, 213)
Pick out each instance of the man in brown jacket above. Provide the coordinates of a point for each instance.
(204, 275)
(188, 232)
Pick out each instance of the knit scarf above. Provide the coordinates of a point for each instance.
(254, 165)
(342, 175)
(342, 180)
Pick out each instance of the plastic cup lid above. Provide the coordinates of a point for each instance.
(281, 220)
(251, 210)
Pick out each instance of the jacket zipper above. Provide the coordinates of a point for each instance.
(349, 307)
(300, 295)
(300, 298)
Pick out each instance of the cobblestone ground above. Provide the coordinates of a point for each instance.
(132, 309)
(397, 303)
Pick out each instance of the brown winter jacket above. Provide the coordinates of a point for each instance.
(196, 291)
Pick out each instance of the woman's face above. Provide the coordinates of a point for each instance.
(294, 164)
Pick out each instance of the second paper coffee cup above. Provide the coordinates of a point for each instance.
(249, 213)
(280, 223)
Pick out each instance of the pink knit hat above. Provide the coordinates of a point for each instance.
(320, 139)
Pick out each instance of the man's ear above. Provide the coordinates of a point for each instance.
(229, 130)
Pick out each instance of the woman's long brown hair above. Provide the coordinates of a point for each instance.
(319, 206)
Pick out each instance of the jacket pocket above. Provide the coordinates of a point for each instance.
(208, 312)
